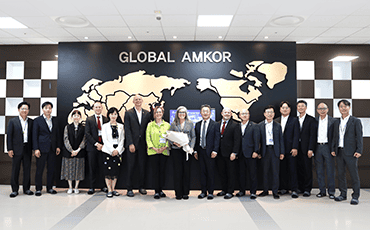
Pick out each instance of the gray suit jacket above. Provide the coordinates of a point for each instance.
(188, 129)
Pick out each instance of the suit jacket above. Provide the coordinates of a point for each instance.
(43, 139)
(230, 140)
(353, 140)
(308, 134)
(188, 129)
(134, 131)
(277, 136)
(108, 139)
(91, 131)
(15, 136)
(212, 137)
(250, 140)
(291, 133)
(330, 128)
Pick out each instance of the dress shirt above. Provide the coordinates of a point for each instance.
(269, 133)
(206, 123)
(48, 122)
(243, 127)
(284, 120)
(301, 120)
(342, 130)
(24, 124)
(222, 123)
(139, 114)
(322, 131)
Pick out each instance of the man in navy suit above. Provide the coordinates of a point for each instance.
(288, 166)
(207, 142)
(323, 154)
(271, 151)
(46, 144)
(19, 144)
(347, 145)
(248, 154)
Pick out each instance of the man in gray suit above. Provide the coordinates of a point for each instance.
(347, 146)
(323, 156)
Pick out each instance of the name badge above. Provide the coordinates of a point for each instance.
(99, 132)
(162, 140)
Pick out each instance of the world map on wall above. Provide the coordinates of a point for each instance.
(119, 92)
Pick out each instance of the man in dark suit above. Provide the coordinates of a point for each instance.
(347, 145)
(323, 154)
(19, 144)
(248, 154)
(229, 147)
(288, 166)
(136, 121)
(46, 144)
(271, 151)
(306, 148)
(94, 146)
(207, 142)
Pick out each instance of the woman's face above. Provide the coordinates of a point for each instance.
(113, 116)
(76, 117)
(159, 114)
(182, 114)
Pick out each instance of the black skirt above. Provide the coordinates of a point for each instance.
(111, 166)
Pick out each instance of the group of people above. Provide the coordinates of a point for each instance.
(285, 146)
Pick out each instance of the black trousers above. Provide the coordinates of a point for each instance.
(288, 173)
(248, 165)
(137, 159)
(181, 170)
(207, 172)
(271, 164)
(96, 174)
(49, 159)
(351, 163)
(25, 159)
(158, 162)
(304, 165)
(226, 169)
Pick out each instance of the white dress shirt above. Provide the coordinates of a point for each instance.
(301, 120)
(49, 122)
(24, 124)
(139, 114)
(243, 127)
(284, 120)
(342, 130)
(322, 131)
(269, 133)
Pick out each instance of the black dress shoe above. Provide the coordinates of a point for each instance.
(13, 194)
(28, 192)
(142, 191)
(253, 196)
(340, 198)
(331, 196)
(115, 193)
(228, 196)
(185, 197)
(276, 196)
(104, 189)
(38, 193)
(264, 193)
(178, 197)
(294, 195)
(222, 193)
(109, 194)
(210, 197)
(157, 196)
(320, 195)
(354, 201)
(240, 194)
(283, 192)
(130, 193)
(91, 191)
(162, 194)
(306, 194)
(299, 191)
(202, 195)
(52, 191)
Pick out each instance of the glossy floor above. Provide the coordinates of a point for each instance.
(82, 211)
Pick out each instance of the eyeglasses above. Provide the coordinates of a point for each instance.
(244, 114)
(181, 112)
(322, 108)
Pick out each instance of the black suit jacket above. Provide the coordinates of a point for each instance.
(212, 136)
(308, 134)
(14, 138)
(277, 136)
(230, 140)
(353, 139)
(250, 140)
(91, 132)
(291, 133)
(330, 129)
(133, 130)
(43, 139)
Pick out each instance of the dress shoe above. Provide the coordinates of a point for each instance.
(354, 201)
(162, 194)
(240, 194)
(299, 191)
(38, 193)
(222, 193)
(76, 191)
(202, 195)
(264, 193)
(13, 194)
(130, 193)
(294, 195)
(228, 196)
(70, 191)
(157, 196)
(253, 196)
(109, 194)
(276, 196)
(115, 193)
(340, 198)
(52, 191)
(283, 192)
(210, 197)
(178, 197)
(28, 192)
(306, 194)
(91, 191)
(142, 191)
(104, 189)
(185, 197)
(320, 195)
(331, 196)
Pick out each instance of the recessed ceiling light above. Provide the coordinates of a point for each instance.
(174, 37)
(10, 23)
(129, 37)
(287, 20)
(214, 20)
(72, 21)
(219, 37)
(86, 38)
(266, 37)
(344, 58)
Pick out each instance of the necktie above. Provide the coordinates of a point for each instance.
(223, 128)
(203, 140)
(99, 127)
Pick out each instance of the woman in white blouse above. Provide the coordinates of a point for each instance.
(113, 138)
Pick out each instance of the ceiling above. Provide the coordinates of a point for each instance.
(324, 21)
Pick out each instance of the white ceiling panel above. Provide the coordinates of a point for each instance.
(142, 7)
(37, 22)
(243, 31)
(322, 21)
(355, 40)
(144, 21)
(16, 8)
(115, 32)
(12, 41)
(340, 32)
(179, 20)
(293, 7)
(218, 7)
(56, 8)
(118, 38)
(92, 39)
(354, 21)
(150, 38)
(298, 39)
(338, 7)
(308, 31)
(180, 38)
(211, 31)
(64, 39)
(96, 7)
(276, 31)
(53, 32)
(258, 7)
(364, 9)
(183, 31)
(325, 40)
(146, 31)
(182, 7)
(238, 38)
(39, 41)
(4, 34)
(82, 32)
(250, 20)
(23, 33)
(106, 21)
(207, 38)
(362, 33)
(270, 38)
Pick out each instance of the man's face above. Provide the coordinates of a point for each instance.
(47, 110)
(23, 111)
(344, 109)
(285, 110)
(301, 107)
(206, 113)
(244, 115)
(138, 101)
(269, 114)
(226, 114)
(322, 109)
(97, 108)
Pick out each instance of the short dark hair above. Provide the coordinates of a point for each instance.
(205, 106)
(46, 103)
(302, 101)
(76, 112)
(345, 102)
(111, 110)
(24, 103)
(285, 102)
(269, 107)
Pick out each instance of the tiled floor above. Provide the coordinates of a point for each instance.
(83, 211)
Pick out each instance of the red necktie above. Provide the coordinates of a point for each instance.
(99, 127)
(223, 128)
